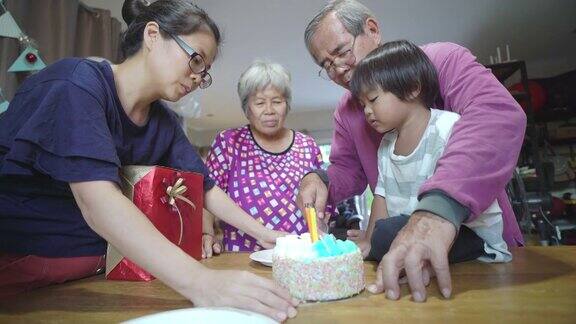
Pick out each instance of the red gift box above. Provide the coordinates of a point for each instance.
(173, 201)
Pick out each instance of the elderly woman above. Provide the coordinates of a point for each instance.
(260, 165)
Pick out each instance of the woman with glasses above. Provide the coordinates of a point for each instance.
(260, 165)
(71, 127)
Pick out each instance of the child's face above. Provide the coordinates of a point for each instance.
(383, 110)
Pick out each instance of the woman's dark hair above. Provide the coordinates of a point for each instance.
(177, 17)
(399, 67)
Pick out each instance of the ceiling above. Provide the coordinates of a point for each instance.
(540, 32)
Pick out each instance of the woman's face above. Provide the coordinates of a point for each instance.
(168, 62)
(267, 110)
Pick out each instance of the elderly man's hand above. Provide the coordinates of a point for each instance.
(424, 242)
(313, 191)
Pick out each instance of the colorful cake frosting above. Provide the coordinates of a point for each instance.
(325, 270)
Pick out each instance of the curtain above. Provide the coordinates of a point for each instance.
(97, 34)
(61, 28)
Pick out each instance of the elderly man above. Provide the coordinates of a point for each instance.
(477, 162)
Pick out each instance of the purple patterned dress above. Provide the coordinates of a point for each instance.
(262, 183)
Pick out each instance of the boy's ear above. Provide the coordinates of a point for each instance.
(415, 93)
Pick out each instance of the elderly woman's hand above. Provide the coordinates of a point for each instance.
(211, 236)
(313, 191)
(211, 244)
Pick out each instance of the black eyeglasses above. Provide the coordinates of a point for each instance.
(197, 64)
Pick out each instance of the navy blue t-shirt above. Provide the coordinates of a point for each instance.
(66, 124)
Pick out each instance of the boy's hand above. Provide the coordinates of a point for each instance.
(356, 235)
(365, 247)
(359, 237)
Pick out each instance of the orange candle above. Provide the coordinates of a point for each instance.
(307, 216)
(313, 228)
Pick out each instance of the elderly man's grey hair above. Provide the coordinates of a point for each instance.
(352, 14)
(258, 76)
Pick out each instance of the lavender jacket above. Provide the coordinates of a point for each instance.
(480, 156)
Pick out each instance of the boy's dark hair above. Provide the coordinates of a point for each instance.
(177, 17)
(399, 67)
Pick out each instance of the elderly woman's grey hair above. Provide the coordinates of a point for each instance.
(352, 14)
(258, 76)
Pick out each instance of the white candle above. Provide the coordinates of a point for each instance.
(491, 59)
(507, 53)
(499, 57)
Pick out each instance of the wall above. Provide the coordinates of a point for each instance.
(539, 32)
(317, 124)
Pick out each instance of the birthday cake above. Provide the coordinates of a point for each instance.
(327, 269)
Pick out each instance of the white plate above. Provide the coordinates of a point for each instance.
(263, 256)
(204, 315)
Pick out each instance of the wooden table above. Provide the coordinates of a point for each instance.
(539, 286)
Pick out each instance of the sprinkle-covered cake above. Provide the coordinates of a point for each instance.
(327, 269)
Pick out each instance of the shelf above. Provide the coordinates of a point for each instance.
(503, 71)
(520, 96)
(562, 141)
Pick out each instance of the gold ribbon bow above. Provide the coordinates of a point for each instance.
(174, 193)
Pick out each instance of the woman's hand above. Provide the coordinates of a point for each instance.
(204, 287)
(241, 289)
(268, 238)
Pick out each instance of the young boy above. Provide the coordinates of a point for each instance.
(396, 84)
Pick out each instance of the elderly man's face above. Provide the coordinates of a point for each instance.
(336, 50)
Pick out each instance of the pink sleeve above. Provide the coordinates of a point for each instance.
(318, 161)
(317, 154)
(485, 143)
(218, 161)
(347, 178)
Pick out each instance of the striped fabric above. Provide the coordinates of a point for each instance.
(400, 177)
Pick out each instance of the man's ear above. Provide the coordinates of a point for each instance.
(372, 29)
